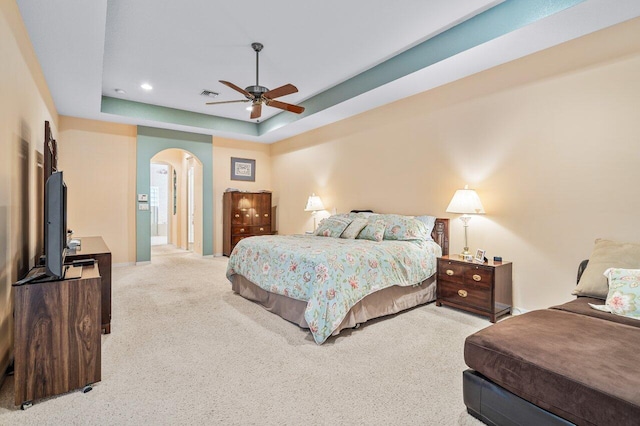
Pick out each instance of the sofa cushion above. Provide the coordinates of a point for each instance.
(606, 254)
(578, 367)
(581, 305)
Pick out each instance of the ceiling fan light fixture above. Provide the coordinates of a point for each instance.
(259, 95)
(146, 86)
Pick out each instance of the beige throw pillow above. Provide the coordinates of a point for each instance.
(606, 254)
(354, 228)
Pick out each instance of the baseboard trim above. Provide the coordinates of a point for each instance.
(120, 265)
(519, 311)
(146, 262)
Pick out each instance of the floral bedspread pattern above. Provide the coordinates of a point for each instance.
(330, 274)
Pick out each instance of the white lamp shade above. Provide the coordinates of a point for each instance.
(314, 204)
(465, 201)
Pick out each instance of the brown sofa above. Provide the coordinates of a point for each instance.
(566, 364)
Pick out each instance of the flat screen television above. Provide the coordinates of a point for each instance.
(55, 225)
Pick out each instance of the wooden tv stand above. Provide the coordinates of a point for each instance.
(95, 248)
(57, 336)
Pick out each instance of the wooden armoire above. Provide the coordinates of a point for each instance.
(245, 214)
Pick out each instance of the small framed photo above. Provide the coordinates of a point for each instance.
(468, 257)
(243, 169)
(479, 256)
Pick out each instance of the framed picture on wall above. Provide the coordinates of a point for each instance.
(243, 169)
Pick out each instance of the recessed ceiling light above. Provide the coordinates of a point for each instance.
(146, 86)
(120, 91)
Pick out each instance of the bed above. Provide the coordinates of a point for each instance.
(336, 280)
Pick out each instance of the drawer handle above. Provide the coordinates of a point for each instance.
(262, 229)
(257, 215)
(449, 272)
(247, 215)
(477, 277)
(462, 293)
(241, 229)
(237, 215)
(266, 215)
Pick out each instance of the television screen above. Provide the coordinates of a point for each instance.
(55, 229)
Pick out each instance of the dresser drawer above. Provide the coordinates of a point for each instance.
(251, 230)
(464, 294)
(241, 230)
(239, 217)
(236, 239)
(261, 230)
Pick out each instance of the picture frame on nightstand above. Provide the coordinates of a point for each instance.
(479, 256)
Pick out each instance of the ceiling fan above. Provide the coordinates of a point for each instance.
(259, 95)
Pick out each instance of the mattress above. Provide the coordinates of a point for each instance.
(330, 275)
(582, 368)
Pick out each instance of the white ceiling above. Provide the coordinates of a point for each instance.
(90, 48)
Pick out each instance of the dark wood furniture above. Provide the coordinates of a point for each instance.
(481, 288)
(95, 248)
(245, 214)
(57, 336)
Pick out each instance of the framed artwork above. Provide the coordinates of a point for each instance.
(480, 255)
(243, 169)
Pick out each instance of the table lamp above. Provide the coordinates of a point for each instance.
(314, 205)
(466, 202)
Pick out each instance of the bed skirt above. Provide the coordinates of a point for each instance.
(383, 302)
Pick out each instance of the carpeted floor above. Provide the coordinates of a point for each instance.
(184, 349)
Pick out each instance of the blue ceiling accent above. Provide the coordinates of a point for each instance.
(495, 22)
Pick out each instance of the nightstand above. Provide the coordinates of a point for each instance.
(481, 288)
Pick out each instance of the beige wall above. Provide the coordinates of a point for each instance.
(223, 150)
(551, 142)
(98, 160)
(25, 104)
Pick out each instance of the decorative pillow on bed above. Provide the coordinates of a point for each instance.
(429, 221)
(374, 230)
(333, 226)
(624, 293)
(354, 228)
(404, 228)
(606, 254)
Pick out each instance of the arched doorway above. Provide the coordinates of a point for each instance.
(150, 142)
(176, 199)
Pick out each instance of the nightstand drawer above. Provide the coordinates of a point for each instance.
(463, 294)
(452, 272)
(465, 274)
(478, 276)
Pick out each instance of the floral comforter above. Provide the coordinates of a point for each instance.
(330, 274)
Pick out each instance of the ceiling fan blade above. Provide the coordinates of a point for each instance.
(256, 110)
(238, 89)
(287, 89)
(285, 106)
(227, 102)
